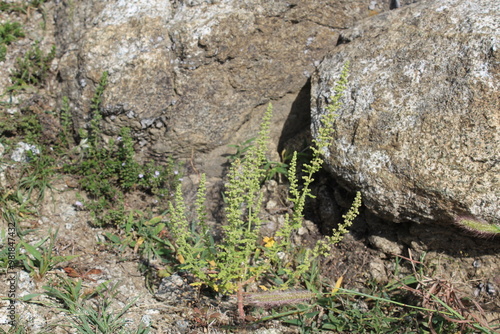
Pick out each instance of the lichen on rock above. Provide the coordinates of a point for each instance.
(419, 129)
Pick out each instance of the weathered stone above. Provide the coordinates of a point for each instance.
(378, 271)
(20, 153)
(193, 76)
(387, 246)
(418, 132)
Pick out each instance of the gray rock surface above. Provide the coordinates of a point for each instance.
(194, 76)
(419, 131)
(22, 151)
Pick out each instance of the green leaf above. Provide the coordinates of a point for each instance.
(59, 259)
(311, 314)
(302, 307)
(154, 220)
(30, 296)
(113, 238)
(32, 250)
(158, 228)
(296, 322)
(330, 327)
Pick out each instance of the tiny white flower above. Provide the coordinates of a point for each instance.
(157, 173)
(176, 172)
(141, 176)
(78, 203)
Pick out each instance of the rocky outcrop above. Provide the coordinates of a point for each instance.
(190, 77)
(419, 131)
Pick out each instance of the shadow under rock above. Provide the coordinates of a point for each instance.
(296, 133)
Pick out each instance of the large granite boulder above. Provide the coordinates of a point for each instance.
(419, 129)
(194, 76)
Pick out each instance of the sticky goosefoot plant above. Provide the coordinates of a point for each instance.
(243, 255)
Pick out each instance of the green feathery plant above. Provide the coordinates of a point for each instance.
(66, 124)
(229, 264)
(320, 145)
(95, 123)
(300, 192)
(33, 68)
(242, 256)
(22, 126)
(9, 32)
(109, 171)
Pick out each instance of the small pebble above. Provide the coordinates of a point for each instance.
(490, 289)
(478, 290)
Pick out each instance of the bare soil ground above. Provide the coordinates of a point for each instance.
(171, 305)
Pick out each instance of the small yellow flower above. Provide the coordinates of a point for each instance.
(269, 242)
(196, 283)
